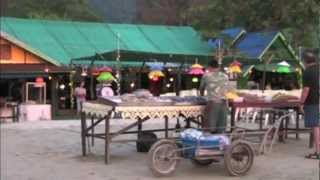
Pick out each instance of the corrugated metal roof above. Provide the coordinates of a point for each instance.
(233, 32)
(255, 43)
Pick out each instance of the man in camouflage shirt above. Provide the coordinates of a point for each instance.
(216, 84)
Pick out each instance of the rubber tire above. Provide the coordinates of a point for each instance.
(202, 162)
(228, 156)
(150, 139)
(153, 149)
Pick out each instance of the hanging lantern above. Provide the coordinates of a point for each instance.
(46, 70)
(105, 77)
(155, 78)
(195, 79)
(196, 69)
(156, 75)
(235, 67)
(198, 66)
(97, 70)
(283, 69)
(39, 82)
(105, 69)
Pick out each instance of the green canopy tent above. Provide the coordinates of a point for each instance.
(126, 58)
(276, 68)
(283, 68)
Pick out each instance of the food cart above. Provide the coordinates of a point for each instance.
(35, 108)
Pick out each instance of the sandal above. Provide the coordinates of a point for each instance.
(313, 156)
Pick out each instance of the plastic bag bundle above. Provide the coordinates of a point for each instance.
(191, 134)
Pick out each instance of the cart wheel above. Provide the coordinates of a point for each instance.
(238, 158)
(145, 141)
(202, 162)
(163, 158)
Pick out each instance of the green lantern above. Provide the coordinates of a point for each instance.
(283, 69)
(105, 77)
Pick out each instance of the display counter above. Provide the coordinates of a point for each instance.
(34, 112)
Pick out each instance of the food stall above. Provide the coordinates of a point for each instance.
(140, 106)
(35, 108)
(269, 99)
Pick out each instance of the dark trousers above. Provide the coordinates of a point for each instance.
(215, 119)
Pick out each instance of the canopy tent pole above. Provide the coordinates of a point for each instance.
(118, 71)
(140, 74)
(178, 83)
(91, 79)
(264, 72)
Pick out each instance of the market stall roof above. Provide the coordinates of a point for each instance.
(133, 55)
(127, 64)
(282, 67)
(231, 33)
(255, 45)
(276, 68)
(62, 41)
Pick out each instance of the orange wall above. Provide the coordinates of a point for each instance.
(19, 55)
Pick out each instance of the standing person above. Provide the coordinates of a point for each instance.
(216, 85)
(311, 108)
(80, 93)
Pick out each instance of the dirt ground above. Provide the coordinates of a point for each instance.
(51, 150)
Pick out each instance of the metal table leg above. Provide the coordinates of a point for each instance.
(107, 139)
(166, 124)
(297, 124)
(83, 133)
(92, 131)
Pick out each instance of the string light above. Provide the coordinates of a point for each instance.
(84, 72)
(195, 79)
(62, 86)
(171, 79)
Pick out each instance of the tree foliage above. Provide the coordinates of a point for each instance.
(299, 18)
(51, 9)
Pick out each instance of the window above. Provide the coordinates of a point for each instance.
(5, 51)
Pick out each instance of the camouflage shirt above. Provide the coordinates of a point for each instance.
(216, 84)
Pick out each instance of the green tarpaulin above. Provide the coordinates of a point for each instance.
(66, 40)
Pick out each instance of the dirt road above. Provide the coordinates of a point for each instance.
(52, 151)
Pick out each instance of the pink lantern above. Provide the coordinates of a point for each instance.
(196, 72)
(39, 81)
(96, 71)
(196, 69)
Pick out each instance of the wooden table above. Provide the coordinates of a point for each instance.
(102, 112)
